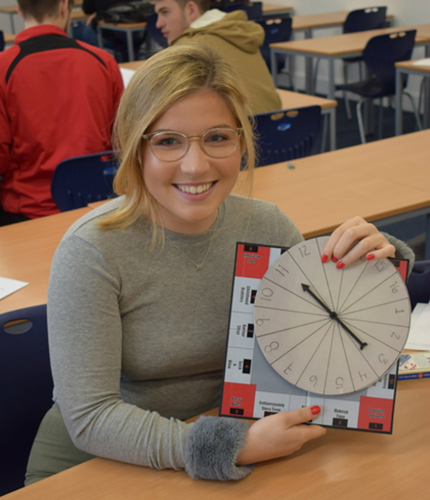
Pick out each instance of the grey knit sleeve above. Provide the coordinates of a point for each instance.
(212, 446)
(403, 251)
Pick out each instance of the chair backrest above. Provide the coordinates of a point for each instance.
(370, 18)
(383, 51)
(419, 283)
(288, 134)
(277, 29)
(222, 4)
(25, 389)
(2, 42)
(83, 179)
(153, 32)
(254, 10)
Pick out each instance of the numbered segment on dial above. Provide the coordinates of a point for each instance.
(311, 348)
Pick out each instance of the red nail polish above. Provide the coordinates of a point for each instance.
(324, 258)
(334, 259)
(370, 256)
(340, 265)
(315, 410)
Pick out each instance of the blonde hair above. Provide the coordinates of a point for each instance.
(168, 76)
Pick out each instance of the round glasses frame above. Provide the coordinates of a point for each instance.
(150, 137)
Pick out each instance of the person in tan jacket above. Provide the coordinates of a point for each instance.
(231, 35)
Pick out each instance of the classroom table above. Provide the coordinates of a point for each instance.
(343, 464)
(10, 10)
(419, 67)
(309, 22)
(128, 29)
(131, 28)
(26, 252)
(383, 181)
(270, 9)
(291, 100)
(338, 47)
(9, 38)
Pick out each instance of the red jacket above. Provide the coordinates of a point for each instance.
(58, 98)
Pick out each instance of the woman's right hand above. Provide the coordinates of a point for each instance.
(279, 435)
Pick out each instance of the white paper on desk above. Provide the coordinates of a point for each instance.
(422, 62)
(8, 286)
(126, 75)
(419, 333)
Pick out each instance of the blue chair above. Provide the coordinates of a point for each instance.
(254, 10)
(380, 55)
(25, 389)
(277, 29)
(369, 18)
(83, 179)
(287, 135)
(419, 282)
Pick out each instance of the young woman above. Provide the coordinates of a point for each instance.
(140, 287)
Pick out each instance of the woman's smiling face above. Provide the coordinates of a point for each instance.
(189, 191)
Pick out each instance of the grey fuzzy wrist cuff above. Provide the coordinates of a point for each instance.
(212, 446)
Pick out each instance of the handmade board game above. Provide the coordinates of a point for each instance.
(253, 389)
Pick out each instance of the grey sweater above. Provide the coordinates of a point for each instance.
(137, 337)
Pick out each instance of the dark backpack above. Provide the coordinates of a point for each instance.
(128, 13)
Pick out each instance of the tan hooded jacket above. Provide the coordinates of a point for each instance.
(239, 41)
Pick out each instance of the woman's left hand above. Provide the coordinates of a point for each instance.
(353, 239)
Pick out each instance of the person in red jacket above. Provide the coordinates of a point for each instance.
(58, 99)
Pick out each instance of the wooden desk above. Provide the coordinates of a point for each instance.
(337, 47)
(128, 29)
(289, 100)
(346, 465)
(384, 181)
(412, 68)
(8, 38)
(317, 21)
(26, 252)
(269, 9)
(10, 10)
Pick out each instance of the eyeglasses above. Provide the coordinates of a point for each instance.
(172, 146)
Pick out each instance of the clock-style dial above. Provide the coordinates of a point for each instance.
(331, 331)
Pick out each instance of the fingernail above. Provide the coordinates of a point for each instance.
(340, 265)
(370, 256)
(334, 259)
(324, 258)
(315, 410)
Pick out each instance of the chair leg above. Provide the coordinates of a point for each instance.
(360, 121)
(414, 109)
(314, 82)
(421, 98)
(381, 110)
(345, 94)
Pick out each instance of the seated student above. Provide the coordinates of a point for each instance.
(140, 287)
(58, 99)
(231, 35)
